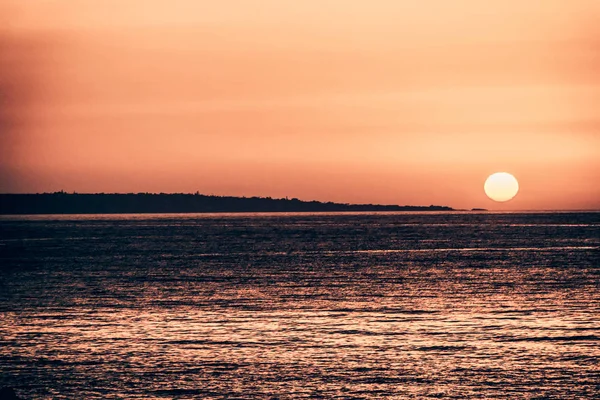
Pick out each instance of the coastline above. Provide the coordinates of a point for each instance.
(179, 203)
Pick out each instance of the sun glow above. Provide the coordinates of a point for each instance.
(501, 186)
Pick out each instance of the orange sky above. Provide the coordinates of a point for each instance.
(378, 101)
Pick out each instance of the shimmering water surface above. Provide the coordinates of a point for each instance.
(405, 306)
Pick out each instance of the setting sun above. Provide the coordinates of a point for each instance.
(501, 186)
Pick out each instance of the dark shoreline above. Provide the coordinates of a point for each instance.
(142, 203)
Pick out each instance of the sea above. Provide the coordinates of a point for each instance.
(457, 305)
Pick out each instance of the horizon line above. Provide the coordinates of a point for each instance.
(197, 193)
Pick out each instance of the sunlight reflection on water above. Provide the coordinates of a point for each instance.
(334, 306)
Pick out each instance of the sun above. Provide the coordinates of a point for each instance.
(501, 186)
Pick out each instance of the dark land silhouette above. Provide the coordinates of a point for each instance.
(101, 203)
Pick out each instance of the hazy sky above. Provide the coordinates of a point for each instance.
(381, 101)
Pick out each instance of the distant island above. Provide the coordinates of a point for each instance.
(133, 203)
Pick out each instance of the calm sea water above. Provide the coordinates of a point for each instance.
(404, 306)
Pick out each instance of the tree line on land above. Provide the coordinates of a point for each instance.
(110, 203)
